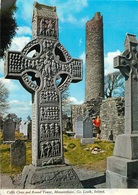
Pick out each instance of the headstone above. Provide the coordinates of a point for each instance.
(46, 74)
(17, 127)
(1, 123)
(122, 167)
(29, 131)
(23, 127)
(9, 130)
(79, 127)
(87, 131)
(18, 153)
(87, 128)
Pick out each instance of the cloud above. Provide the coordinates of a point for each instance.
(24, 30)
(18, 43)
(73, 100)
(108, 61)
(20, 108)
(9, 84)
(71, 6)
(82, 56)
(65, 9)
(25, 10)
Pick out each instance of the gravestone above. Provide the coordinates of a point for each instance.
(23, 127)
(45, 68)
(122, 167)
(87, 131)
(9, 130)
(29, 131)
(79, 127)
(18, 153)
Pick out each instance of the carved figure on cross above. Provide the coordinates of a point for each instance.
(46, 73)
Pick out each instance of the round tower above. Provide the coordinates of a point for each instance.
(94, 86)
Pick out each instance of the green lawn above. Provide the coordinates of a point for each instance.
(73, 152)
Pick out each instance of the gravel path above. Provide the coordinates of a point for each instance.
(89, 179)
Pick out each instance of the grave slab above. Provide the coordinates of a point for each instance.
(79, 127)
(87, 132)
(9, 131)
(18, 153)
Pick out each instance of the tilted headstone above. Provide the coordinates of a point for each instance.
(46, 74)
(79, 127)
(87, 137)
(9, 130)
(18, 153)
(122, 167)
(87, 128)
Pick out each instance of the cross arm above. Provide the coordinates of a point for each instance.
(76, 70)
(122, 64)
(12, 66)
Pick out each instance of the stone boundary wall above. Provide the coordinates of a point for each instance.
(111, 112)
(112, 117)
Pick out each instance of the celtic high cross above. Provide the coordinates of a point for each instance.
(127, 62)
(46, 74)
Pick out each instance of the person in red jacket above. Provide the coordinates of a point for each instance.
(97, 122)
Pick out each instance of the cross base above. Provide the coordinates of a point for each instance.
(59, 177)
(121, 173)
(122, 167)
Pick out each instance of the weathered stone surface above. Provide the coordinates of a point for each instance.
(94, 58)
(87, 128)
(111, 112)
(126, 146)
(92, 106)
(85, 141)
(112, 118)
(79, 127)
(51, 177)
(122, 168)
(114, 180)
(87, 131)
(9, 130)
(46, 74)
(18, 153)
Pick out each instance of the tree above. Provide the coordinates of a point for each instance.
(4, 94)
(66, 102)
(8, 24)
(114, 85)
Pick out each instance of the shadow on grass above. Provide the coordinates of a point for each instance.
(91, 183)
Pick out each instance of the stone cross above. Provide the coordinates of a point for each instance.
(127, 62)
(45, 69)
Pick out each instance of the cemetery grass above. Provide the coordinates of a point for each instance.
(74, 153)
(5, 166)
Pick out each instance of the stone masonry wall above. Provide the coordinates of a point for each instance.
(91, 108)
(94, 58)
(112, 117)
(111, 112)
